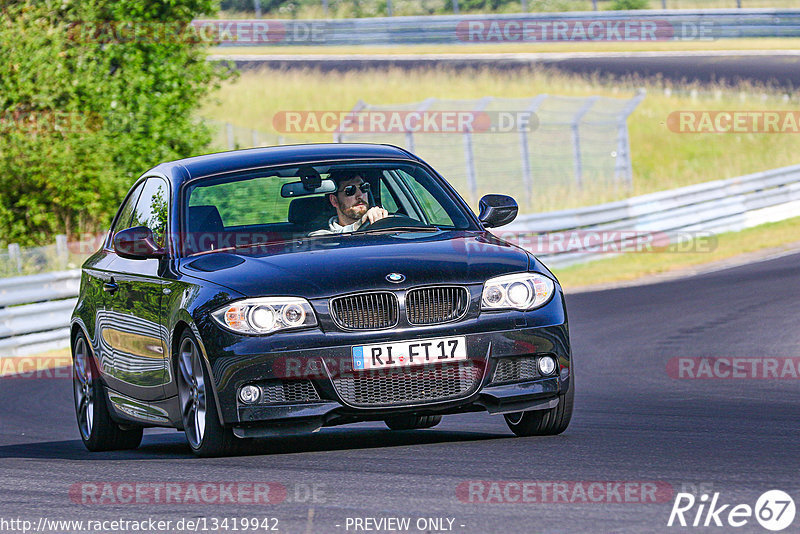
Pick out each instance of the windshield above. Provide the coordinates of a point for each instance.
(274, 205)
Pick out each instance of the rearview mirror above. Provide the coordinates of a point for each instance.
(497, 210)
(137, 243)
(299, 189)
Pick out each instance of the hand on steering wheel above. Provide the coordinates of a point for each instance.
(373, 214)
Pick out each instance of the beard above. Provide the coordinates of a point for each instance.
(356, 212)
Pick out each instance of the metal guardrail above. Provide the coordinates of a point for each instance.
(36, 311)
(680, 25)
(41, 322)
(711, 207)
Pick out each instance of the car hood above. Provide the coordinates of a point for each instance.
(319, 268)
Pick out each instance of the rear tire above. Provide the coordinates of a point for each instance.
(544, 422)
(411, 422)
(98, 431)
(204, 432)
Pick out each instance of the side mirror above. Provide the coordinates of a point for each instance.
(497, 210)
(137, 243)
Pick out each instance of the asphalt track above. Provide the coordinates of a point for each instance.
(632, 423)
(780, 69)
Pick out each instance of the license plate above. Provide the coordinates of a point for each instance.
(408, 353)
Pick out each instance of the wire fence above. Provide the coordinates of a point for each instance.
(574, 143)
(233, 137)
(565, 145)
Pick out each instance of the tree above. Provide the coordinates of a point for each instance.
(86, 105)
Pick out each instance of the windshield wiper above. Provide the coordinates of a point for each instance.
(400, 229)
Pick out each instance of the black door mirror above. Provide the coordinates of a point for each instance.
(497, 210)
(137, 243)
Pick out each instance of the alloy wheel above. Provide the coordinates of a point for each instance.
(192, 393)
(82, 384)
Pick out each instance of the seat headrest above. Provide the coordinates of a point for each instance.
(204, 219)
(308, 211)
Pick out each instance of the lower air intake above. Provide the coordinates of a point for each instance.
(389, 387)
(287, 391)
(515, 370)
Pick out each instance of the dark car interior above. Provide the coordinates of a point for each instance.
(207, 229)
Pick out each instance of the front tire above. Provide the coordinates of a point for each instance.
(98, 431)
(204, 432)
(544, 422)
(411, 422)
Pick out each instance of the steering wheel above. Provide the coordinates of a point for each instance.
(390, 221)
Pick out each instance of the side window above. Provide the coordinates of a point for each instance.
(387, 200)
(246, 202)
(125, 212)
(152, 209)
(433, 209)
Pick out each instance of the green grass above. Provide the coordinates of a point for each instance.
(519, 48)
(661, 159)
(635, 265)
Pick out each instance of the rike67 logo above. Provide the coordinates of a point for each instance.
(774, 510)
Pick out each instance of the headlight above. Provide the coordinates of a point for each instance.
(523, 291)
(266, 315)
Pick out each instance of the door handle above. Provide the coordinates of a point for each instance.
(110, 287)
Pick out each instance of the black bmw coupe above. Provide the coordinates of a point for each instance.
(273, 291)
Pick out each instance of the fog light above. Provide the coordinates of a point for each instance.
(249, 394)
(547, 364)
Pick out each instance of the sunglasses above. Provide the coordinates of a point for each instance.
(350, 190)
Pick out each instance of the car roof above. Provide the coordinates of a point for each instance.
(185, 169)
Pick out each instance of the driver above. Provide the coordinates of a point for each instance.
(351, 201)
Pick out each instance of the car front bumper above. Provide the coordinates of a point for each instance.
(491, 338)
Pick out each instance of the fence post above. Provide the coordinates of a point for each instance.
(389, 11)
(663, 4)
(527, 173)
(15, 255)
(594, 5)
(623, 166)
(337, 135)
(325, 7)
(62, 251)
(469, 156)
(524, 6)
(455, 7)
(231, 140)
(257, 6)
(576, 139)
(255, 138)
